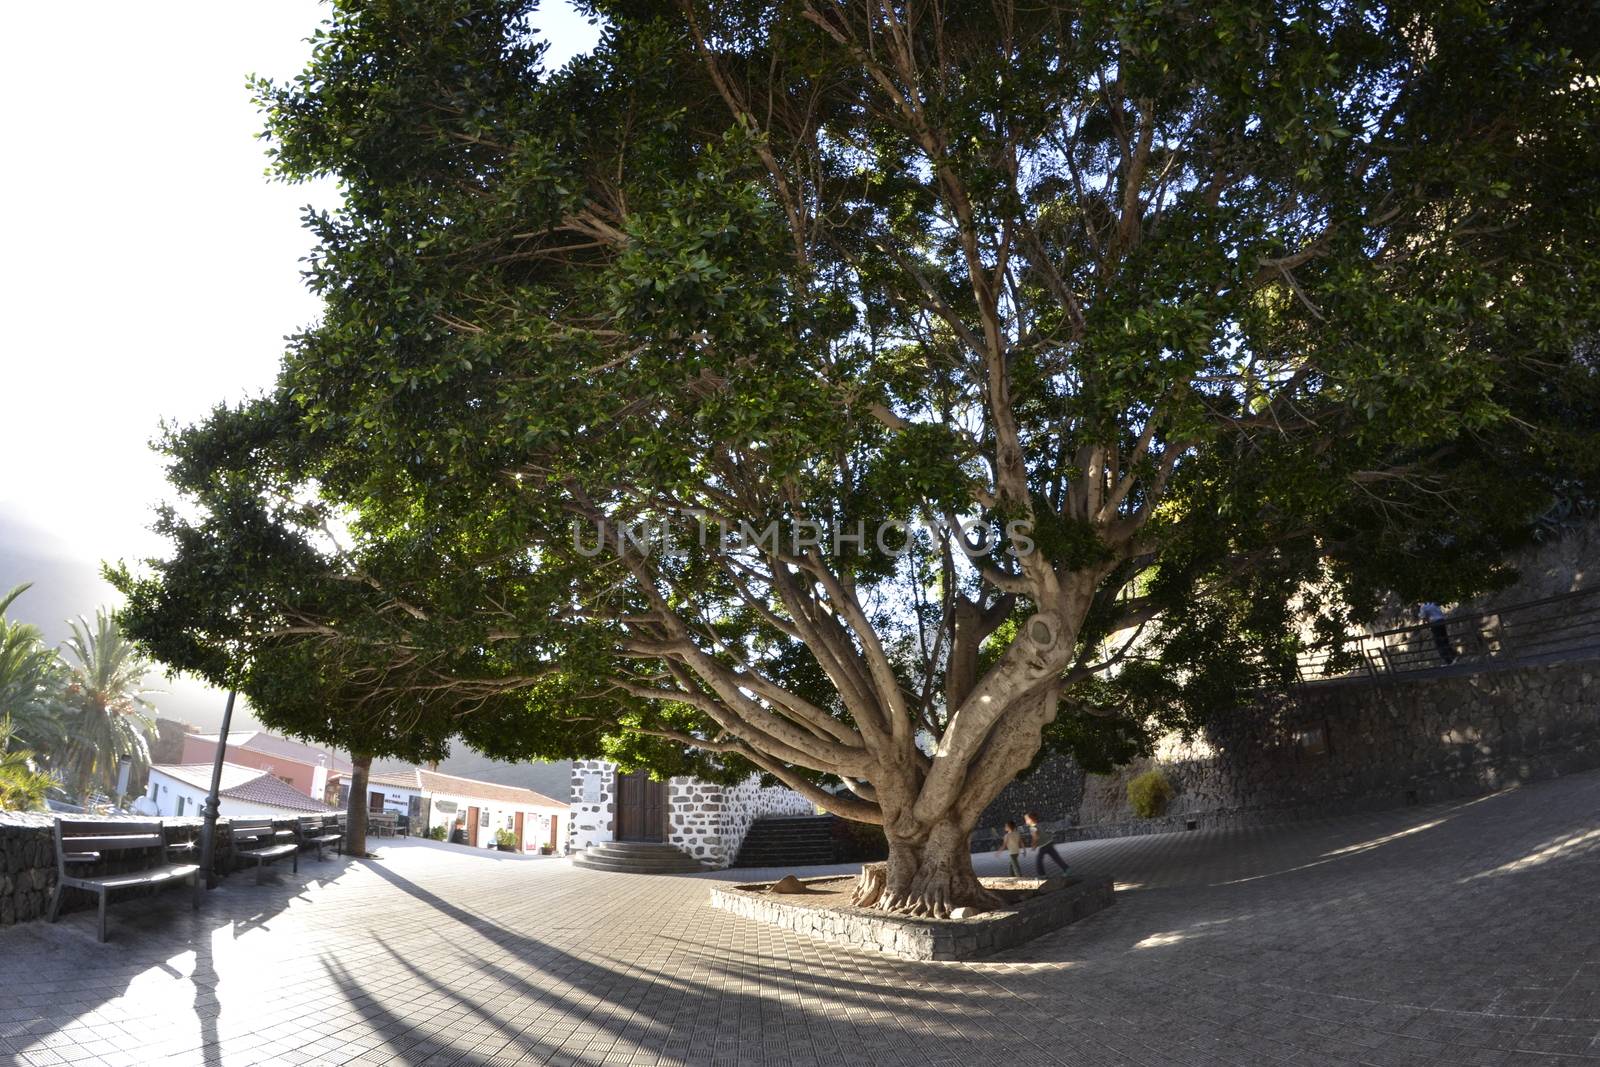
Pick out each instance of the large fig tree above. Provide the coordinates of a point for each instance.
(1175, 334)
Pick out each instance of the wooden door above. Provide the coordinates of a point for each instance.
(641, 808)
(472, 827)
(555, 821)
(517, 827)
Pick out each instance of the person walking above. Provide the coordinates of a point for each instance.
(1012, 844)
(1044, 844)
(1430, 614)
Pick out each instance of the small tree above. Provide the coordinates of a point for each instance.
(217, 609)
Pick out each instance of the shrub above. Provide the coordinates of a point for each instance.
(505, 839)
(1149, 793)
(438, 833)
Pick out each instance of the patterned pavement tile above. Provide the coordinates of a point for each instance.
(1456, 934)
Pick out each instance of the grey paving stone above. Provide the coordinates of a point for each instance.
(1454, 934)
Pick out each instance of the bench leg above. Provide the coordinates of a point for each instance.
(55, 902)
(261, 871)
(103, 896)
(295, 856)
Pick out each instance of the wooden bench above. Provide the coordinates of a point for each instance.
(142, 845)
(255, 841)
(320, 832)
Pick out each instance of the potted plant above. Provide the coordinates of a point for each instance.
(505, 840)
(545, 850)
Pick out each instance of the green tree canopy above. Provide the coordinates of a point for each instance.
(1224, 320)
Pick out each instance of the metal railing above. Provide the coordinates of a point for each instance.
(1555, 626)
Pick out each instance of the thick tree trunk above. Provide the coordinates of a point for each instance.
(927, 874)
(355, 831)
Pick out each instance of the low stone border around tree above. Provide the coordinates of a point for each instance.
(917, 939)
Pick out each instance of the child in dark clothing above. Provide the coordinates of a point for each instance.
(1044, 842)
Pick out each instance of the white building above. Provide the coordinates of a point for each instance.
(246, 793)
(478, 809)
(700, 819)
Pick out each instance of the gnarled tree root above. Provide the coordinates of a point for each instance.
(928, 896)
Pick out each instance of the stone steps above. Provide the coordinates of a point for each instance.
(788, 841)
(637, 857)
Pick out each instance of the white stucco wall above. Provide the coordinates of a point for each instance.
(164, 791)
(501, 815)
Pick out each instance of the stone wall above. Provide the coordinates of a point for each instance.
(918, 939)
(593, 790)
(1354, 744)
(709, 821)
(695, 819)
(1054, 790)
(1334, 747)
(28, 861)
(748, 801)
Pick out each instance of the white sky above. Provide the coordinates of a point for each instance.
(148, 270)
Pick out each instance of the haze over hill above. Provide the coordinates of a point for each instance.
(197, 310)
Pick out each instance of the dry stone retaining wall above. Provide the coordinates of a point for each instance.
(28, 860)
(1351, 745)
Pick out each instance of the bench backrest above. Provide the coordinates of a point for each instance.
(94, 838)
(252, 833)
(310, 825)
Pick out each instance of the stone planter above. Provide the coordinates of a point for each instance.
(917, 939)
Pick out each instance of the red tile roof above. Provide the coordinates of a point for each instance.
(431, 782)
(435, 782)
(274, 793)
(248, 784)
(199, 774)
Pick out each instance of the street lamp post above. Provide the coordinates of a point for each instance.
(208, 830)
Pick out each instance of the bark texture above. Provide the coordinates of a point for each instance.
(925, 876)
(355, 831)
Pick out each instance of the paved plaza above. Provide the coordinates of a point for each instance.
(1461, 934)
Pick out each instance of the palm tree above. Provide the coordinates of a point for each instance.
(22, 784)
(107, 713)
(30, 681)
